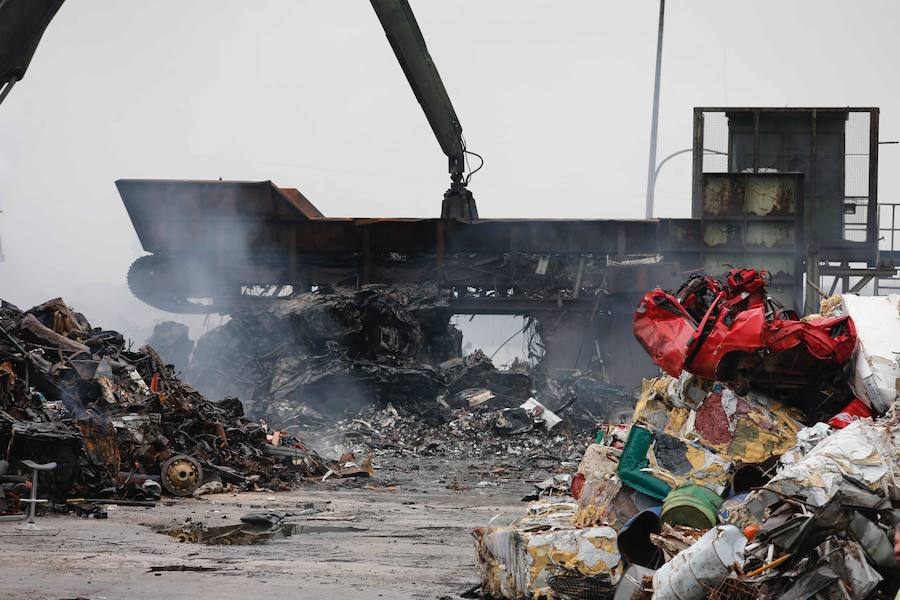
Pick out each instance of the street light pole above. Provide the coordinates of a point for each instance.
(654, 123)
(652, 188)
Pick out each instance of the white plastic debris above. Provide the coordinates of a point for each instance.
(477, 397)
(807, 439)
(136, 378)
(877, 371)
(540, 412)
(861, 450)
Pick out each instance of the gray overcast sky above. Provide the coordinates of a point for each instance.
(555, 95)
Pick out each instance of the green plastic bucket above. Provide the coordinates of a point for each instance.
(691, 505)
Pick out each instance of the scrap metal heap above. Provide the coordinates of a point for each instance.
(741, 488)
(381, 369)
(484, 422)
(325, 354)
(118, 422)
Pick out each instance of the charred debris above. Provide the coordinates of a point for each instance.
(380, 368)
(383, 366)
(118, 423)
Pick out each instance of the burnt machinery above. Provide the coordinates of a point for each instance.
(819, 169)
(217, 246)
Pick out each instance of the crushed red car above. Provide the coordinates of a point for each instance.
(733, 331)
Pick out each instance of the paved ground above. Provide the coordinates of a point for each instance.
(409, 540)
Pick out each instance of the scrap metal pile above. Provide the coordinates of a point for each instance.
(118, 423)
(322, 355)
(749, 486)
(527, 431)
(382, 368)
(480, 422)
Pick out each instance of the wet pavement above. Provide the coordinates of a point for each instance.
(401, 534)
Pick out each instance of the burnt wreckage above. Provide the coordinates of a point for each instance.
(118, 422)
(224, 246)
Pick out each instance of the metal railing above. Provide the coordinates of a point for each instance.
(888, 245)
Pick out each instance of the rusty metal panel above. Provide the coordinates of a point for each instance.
(723, 195)
(738, 194)
(771, 196)
(723, 234)
(301, 203)
(771, 235)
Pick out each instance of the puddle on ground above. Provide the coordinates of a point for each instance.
(248, 534)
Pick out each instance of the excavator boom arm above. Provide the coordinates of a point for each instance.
(22, 23)
(406, 39)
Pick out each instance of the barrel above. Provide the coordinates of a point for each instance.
(691, 505)
(702, 567)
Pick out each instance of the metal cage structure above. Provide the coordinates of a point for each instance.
(834, 152)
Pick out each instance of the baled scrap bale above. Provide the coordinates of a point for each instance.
(760, 428)
(655, 409)
(743, 429)
(687, 391)
(607, 502)
(596, 502)
(516, 561)
(599, 461)
(677, 461)
(863, 450)
(699, 432)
